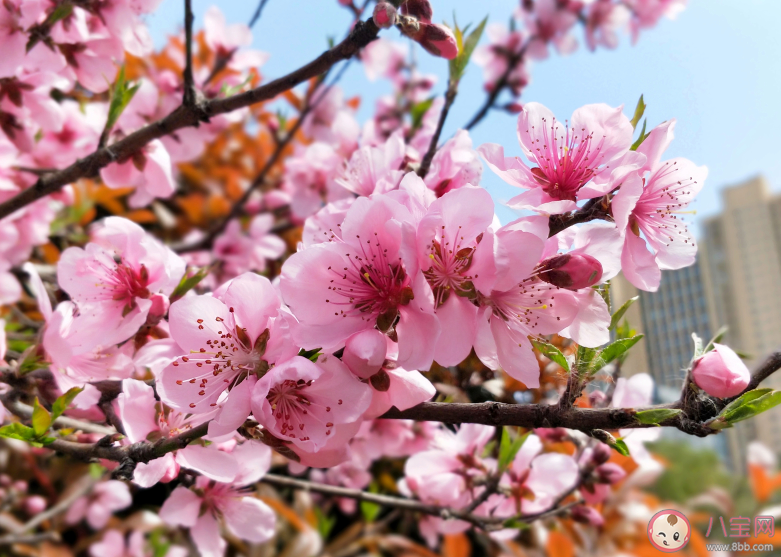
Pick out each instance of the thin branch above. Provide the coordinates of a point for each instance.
(189, 98)
(450, 97)
(83, 486)
(403, 503)
(595, 209)
(31, 539)
(362, 34)
(256, 15)
(26, 412)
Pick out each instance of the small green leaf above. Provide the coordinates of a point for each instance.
(61, 404)
(188, 282)
(17, 431)
(656, 416)
(751, 407)
(310, 354)
(617, 349)
(698, 351)
(509, 448)
(642, 137)
(31, 361)
(41, 419)
(96, 471)
(325, 523)
(717, 338)
(584, 357)
(121, 95)
(551, 352)
(418, 111)
(229, 90)
(515, 524)
(621, 311)
(639, 111)
(370, 510)
(621, 447)
(466, 47)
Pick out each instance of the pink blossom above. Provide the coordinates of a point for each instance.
(495, 57)
(228, 341)
(646, 209)
(454, 165)
(385, 58)
(331, 120)
(364, 352)
(367, 278)
(309, 178)
(241, 252)
(603, 19)
(375, 169)
(721, 372)
(587, 158)
(113, 545)
(145, 419)
(647, 13)
(301, 401)
(243, 515)
(570, 271)
(148, 170)
(97, 507)
(326, 224)
(549, 21)
(115, 278)
(222, 38)
(384, 15)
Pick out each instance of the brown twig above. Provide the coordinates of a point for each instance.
(83, 486)
(26, 412)
(185, 116)
(190, 94)
(256, 15)
(450, 97)
(594, 209)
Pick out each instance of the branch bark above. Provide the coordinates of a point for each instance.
(362, 34)
(189, 98)
(450, 97)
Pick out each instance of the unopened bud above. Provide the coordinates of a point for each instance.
(364, 353)
(438, 40)
(514, 108)
(601, 454)
(721, 372)
(610, 473)
(597, 398)
(587, 515)
(385, 15)
(419, 9)
(570, 271)
(20, 486)
(33, 505)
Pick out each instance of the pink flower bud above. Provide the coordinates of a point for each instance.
(610, 473)
(385, 15)
(601, 454)
(364, 353)
(419, 9)
(514, 108)
(20, 486)
(33, 505)
(437, 40)
(160, 304)
(587, 515)
(570, 271)
(721, 372)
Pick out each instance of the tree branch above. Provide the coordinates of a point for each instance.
(26, 412)
(595, 209)
(362, 34)
(450, 97)
(189, 98)
(256, 15)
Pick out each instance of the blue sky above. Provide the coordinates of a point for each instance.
(716, 68)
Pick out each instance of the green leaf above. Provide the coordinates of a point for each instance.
(642, 137)
(614, 321)
(31, 361)
(656, 416)
(639, 111)
(515, 524)
(229, 90)
(509, 448)
(370, 510)
(17, 431)
(189, 282)
(96, 471)
(617, 349)
(61, 404)
(551, 352)
(310, 354)
(717, 338)
(584, 357)
(41, 420)
(121, 94)
(324, 523)
(418, 111)
(698, 351)
(621, 447)
(466, 47)
(751, 406)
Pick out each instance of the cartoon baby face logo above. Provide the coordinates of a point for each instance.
(669, 531)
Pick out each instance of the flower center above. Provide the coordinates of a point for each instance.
(450, 262)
